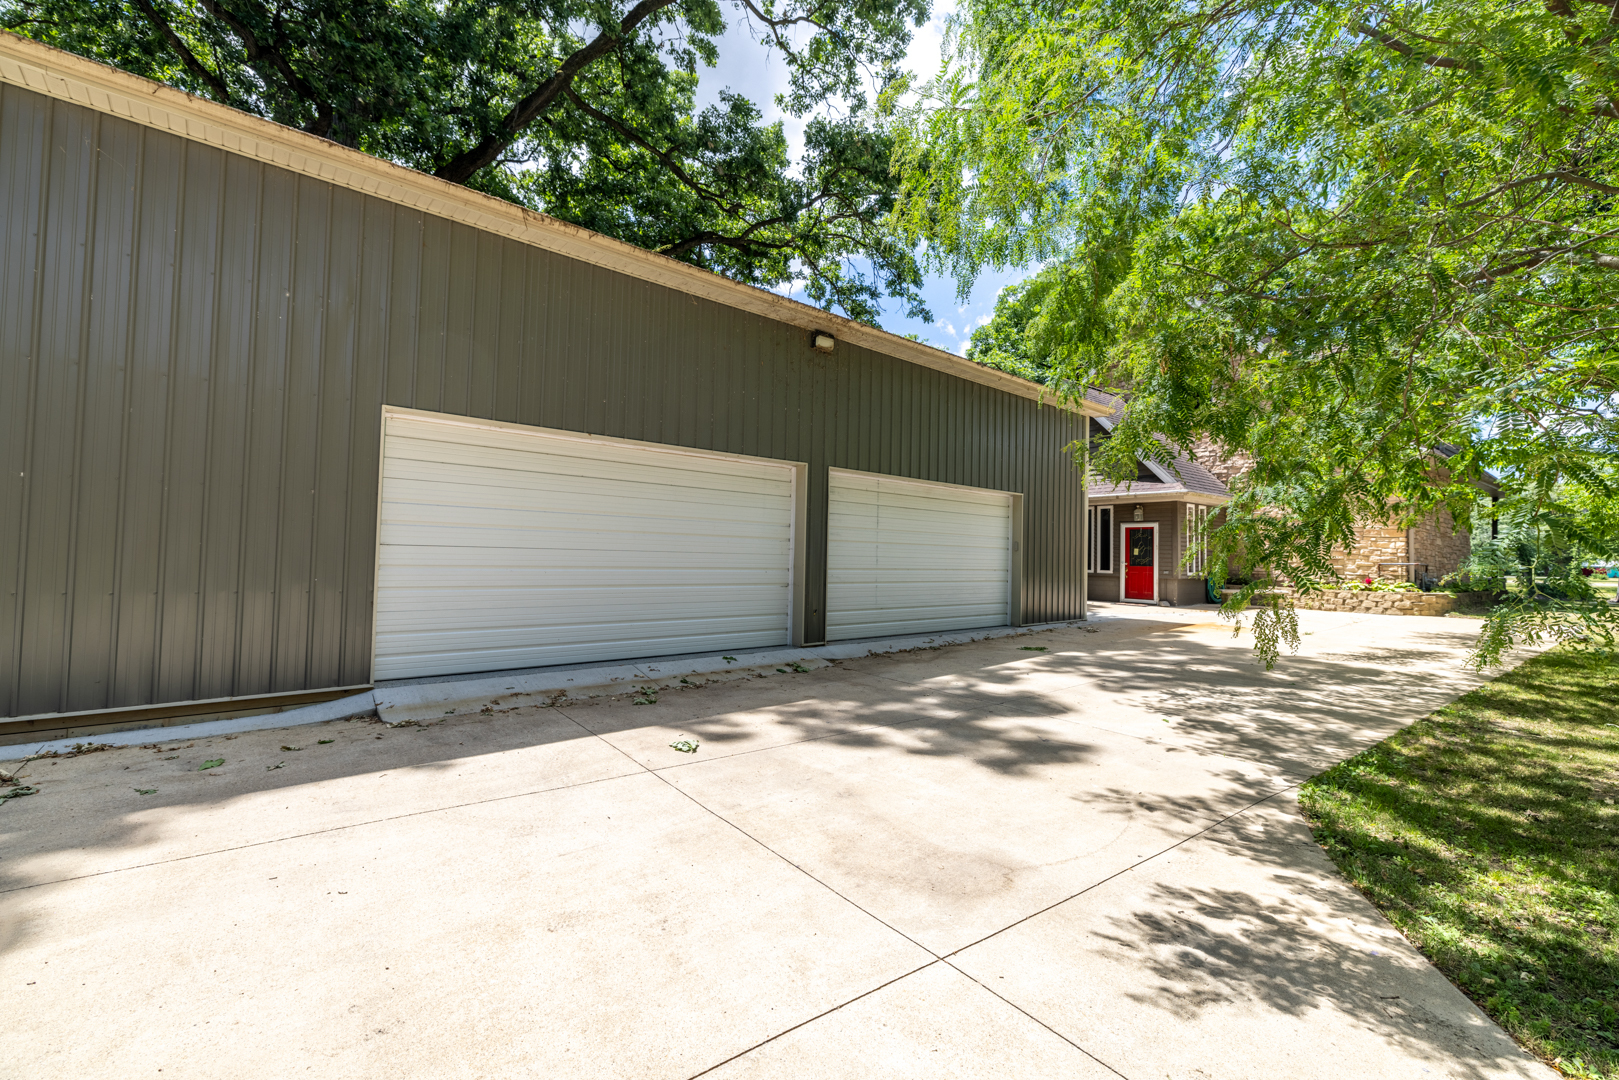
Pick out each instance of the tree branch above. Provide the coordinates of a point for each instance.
(778, 24)
(187, 57)
(1529, 258)
(669, 161)
(1403, 49)
(1561, 174)
(743, 242)
(257, 51)
(460, 168)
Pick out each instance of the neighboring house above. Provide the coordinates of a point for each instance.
(281, 420)
(1141, 531)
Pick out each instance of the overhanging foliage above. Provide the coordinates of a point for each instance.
(1334, 237)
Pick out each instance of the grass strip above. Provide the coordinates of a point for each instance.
(1488, 833)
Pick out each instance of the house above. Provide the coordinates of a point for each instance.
(1141, 531)
(1145, 535)
(281, 421)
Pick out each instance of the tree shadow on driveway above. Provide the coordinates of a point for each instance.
(993, 709)
(1242, 953)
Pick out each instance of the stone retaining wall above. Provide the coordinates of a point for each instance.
(1390, 603)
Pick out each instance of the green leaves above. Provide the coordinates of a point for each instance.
(580, 109)
(1373, 251)
(212, 763)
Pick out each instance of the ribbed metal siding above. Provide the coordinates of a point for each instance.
(195, 350)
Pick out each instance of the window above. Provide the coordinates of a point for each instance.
(1140, 541)
(1095, 536)
(1197, 540)
(1104, 540)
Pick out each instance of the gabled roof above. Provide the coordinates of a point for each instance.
(1181, 476)
(66, 77)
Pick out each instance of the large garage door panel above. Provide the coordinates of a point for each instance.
(457, 656)
(502, 549)
(581, 465)
(513, 484)
(904, 557)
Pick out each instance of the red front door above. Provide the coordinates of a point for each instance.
(1138, 562)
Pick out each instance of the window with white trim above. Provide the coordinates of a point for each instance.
(1197, 539)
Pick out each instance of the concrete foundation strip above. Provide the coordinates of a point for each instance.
(429, 701)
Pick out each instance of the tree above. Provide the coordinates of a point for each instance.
(1006, 341)
(1330, 235)
(583, 109)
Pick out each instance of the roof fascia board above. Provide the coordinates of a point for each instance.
(1201, 497)
(67, 77)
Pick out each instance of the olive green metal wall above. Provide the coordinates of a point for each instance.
(195, 349)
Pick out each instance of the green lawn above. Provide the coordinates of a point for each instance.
(1488, 833)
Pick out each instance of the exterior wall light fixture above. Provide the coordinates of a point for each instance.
(1138, 512)
(823, 342)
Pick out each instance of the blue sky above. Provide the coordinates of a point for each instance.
(747, 68)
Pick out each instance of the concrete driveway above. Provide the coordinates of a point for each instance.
(981, 860)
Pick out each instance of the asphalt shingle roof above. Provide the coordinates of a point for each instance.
(1193, 478)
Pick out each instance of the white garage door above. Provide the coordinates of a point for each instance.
(909, 558)
(507, 548)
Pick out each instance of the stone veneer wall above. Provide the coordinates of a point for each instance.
(1225, 466)
(1433, 540)
(1436, 541)
(1374, 544)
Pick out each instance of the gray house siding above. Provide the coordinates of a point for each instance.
(195, 350)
